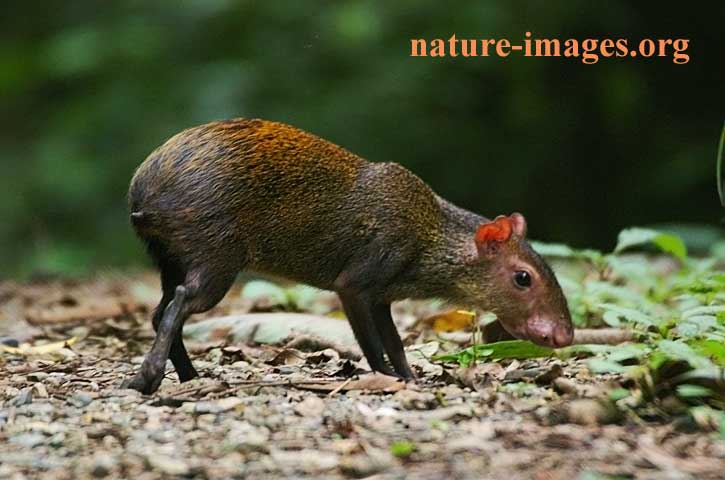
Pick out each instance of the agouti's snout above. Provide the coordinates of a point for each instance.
(550, 332)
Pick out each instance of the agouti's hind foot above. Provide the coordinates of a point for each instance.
(143, 383)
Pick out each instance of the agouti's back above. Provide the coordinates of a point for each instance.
(276, 199)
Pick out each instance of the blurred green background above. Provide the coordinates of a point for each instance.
(89, 88)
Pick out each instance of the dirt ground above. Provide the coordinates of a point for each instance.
(269, 411)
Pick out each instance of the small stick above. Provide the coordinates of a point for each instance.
(340, 387)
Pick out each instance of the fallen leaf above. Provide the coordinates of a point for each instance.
(451, 321)
(45, 349)
(288, 356)
(373, 382)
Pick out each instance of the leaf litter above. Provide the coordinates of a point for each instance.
(300, 401)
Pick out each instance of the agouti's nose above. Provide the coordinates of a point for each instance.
(562, 337)
(550, 334)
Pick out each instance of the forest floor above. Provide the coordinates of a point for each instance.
(305, 409)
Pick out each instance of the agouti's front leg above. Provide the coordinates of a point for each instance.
(391, 339)
(360, 315)
(360, 287)
(375, 331)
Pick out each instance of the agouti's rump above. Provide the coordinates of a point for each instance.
(227, 196)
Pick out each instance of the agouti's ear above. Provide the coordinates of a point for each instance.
(518, 223)
(492, 233)
(498, 231)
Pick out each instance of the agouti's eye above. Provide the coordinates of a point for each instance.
(522, 279)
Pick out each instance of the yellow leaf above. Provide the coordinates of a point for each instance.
(29, 350)
(452, 321)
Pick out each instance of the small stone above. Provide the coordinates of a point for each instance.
(311, 406)
(361, 466)
(40, 390)
(565, 385)
(374, 461)
(28, 439)
(412, 400)
(80, 399)
(168, 465)
(244, 436)
(10, 342)
(306, 460)
(103, 465)
(592, 412)
(23, 398)
(218, 406)
(40, 409)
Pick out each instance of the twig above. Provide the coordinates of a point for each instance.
(340, 387)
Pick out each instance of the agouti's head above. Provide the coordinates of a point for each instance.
(518, 286)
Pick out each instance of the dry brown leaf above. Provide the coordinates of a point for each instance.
(288, 356)
(481, 375)
(373, 382)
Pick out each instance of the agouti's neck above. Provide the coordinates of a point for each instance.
(447, 258)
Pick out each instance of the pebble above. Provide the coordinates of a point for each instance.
(80, 399)
(28, 439)
(217, 406)
(412, 400)
(23, 398)
(306, 460)
(361, 466)
(243, 436)
(168, 465)
(311, 406)
(103, 465)
(10, 342)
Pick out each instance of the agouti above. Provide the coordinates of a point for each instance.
(254, 194)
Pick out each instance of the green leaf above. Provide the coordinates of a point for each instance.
(629, 314)
(714, 349)
(600, 476)
(687, 390)
(600, 365)
(697, 325)
(402, 448)
(620, 353)
(618, 394)
(637, 237)
(678, 350)
(519, 349)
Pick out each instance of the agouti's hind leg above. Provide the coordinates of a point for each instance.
(149, 377)
(172, 277)
(200, 292)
